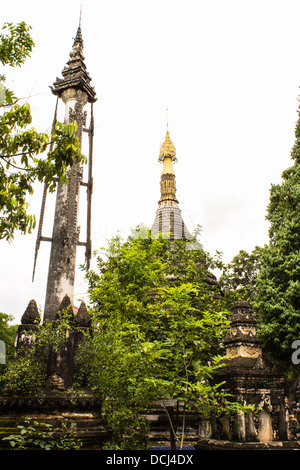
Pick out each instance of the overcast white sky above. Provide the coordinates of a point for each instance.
(229, 73)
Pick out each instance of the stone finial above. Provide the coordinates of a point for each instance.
(242, 340)
(83, 318)
(65, 307)
(29, 323)
(242, 312)
(31, 315)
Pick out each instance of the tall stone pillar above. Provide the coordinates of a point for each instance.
(75, 91)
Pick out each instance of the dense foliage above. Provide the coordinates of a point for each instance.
(239, 277)
(278, 284)
(159, 321)
(7, 336)
(269, 277)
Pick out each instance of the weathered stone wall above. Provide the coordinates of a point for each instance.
(73, 414)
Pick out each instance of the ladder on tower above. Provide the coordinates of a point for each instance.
(89, 188)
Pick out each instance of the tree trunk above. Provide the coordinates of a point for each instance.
(170, 412)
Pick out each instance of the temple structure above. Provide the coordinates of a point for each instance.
(168, 219)
(76, 91)
(254, 380)
(247, 376)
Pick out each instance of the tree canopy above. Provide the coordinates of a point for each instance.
(239, 277)
(159, 321)
(278, 283)
(269, 276)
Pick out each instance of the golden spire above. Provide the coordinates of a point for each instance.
(167, 155)
(167, 149)
(168, 219)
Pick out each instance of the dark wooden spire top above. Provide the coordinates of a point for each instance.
(78, 41)
(74, 73)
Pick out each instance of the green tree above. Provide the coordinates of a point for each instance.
(278, 283)
(36, 434)
(7, 336)
(21, 164)
(159, 320)
(239, 277)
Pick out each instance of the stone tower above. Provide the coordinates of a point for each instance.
(168, 219)
(253, 380)
(75, 91)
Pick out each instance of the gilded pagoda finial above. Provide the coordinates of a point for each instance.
(168, 219)
(167, 149)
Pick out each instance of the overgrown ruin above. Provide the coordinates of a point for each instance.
(248, 375)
